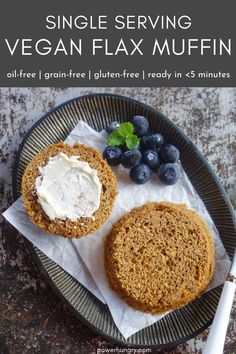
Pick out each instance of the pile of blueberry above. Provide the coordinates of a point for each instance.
(151, 154)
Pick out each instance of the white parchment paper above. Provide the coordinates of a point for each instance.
(83, 258)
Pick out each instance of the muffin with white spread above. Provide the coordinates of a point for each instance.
(68, 190)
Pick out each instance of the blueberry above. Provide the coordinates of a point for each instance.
(150, 158)
(113, 155)
(124, 148)
(112, 127)
(141, 125)
(169, 173)
(169, 153)
(140, 174)
(130, 158)
(153, 141)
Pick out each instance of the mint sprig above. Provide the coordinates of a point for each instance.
(116, 139)
(132, 142)
(126, 129)
(124, 135)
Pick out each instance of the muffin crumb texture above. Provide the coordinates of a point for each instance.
(159, 257)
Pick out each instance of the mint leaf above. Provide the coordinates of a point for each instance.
(132, 142)
(115, 139)
(126, 129)
(124, 135)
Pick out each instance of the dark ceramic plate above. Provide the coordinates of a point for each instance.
(97, 111)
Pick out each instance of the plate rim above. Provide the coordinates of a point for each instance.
(32, 248)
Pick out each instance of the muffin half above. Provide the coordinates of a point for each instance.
(68, 190)
(159, 257)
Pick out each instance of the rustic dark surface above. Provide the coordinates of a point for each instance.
(32, 318)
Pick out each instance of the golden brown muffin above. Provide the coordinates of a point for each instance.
(159, 257)
(83, 225)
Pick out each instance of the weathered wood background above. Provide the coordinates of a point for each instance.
(32, 318)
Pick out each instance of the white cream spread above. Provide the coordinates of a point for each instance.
(68, 188)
